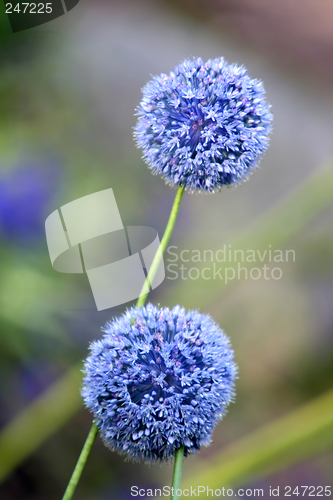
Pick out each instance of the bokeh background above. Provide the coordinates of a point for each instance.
(68, 91)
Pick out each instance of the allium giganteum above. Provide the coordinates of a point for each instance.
(204, 125)
(159, 382)
(161, 379)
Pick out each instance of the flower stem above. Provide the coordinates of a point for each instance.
(177, 473)
(165, 240)
(80, 463)
(141, 300)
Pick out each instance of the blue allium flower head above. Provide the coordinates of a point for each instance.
(25, 194)
(159, 379)
(203, 125)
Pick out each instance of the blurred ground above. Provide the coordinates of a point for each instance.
(67, 94)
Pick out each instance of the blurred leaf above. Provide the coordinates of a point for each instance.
(297, 436)
(5, 28)
(26, 432)
(31, 299)
(20, 287)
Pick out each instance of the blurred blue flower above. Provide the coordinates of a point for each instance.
(159, 379)
(203, 125)
(25, 193)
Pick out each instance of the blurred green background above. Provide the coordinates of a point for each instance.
(68, 91)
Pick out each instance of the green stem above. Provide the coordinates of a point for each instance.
(165, 240)
(80, 463)
(141, 300)
(177, 473)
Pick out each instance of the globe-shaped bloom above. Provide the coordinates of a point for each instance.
(157, 380)
(25, 195)
(203, 125)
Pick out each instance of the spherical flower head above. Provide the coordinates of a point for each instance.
(25, 195)
(203, 125)
(159, 379)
